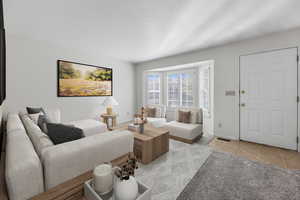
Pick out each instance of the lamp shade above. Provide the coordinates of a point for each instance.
(110, 101)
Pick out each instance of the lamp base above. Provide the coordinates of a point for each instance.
(109, 110)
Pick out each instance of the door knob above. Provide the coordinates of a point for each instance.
(243, 104)
(242, 91)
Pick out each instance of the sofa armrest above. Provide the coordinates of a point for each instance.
(68, 160)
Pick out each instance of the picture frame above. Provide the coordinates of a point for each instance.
(83, 80)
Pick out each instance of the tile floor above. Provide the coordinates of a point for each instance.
(169, 174)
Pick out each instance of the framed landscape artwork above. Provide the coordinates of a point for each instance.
(82, 80)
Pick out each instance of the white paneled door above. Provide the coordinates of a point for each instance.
(268, 98)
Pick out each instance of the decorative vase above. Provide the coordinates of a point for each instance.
(142, 128)
(125, 189)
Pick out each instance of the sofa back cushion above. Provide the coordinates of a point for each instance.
(23, 169)
(39, 139)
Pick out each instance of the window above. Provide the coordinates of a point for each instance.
(153, 89)
(204, 94)
(180, 89)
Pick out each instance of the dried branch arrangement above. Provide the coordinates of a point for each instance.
(126, 170)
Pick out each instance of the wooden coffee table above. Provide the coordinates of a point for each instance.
(151, 144)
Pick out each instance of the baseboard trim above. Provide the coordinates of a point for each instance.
(223, 139)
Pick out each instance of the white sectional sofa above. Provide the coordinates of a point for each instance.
(31, 156)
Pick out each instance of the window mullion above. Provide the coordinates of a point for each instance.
(180, 89)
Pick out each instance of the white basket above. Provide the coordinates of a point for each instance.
(91, 194)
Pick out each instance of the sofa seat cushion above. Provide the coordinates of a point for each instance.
(156, 122)
(184, 130)
(90, 126)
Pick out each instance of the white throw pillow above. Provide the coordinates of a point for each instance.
(194, 116)
(35, 117)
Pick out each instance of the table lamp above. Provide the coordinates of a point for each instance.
(109, 102)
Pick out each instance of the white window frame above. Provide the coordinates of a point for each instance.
(194, 88)
(146, 87)
(207, 111)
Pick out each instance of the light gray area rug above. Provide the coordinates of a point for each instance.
(170, 173)
(224, 176)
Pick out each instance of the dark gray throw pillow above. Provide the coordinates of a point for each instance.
(60, 133)
(43, 120)
(31, 110)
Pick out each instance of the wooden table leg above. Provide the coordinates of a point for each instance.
(114, 121)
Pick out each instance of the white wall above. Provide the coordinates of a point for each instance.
(32, 80)
(226, 74)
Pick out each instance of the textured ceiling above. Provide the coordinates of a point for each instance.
(140, 30)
